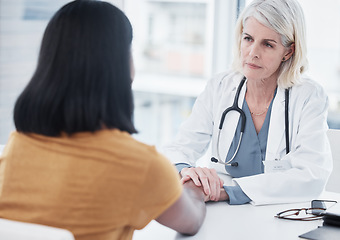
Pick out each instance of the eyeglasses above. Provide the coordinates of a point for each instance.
(302, 214)
(307, 214)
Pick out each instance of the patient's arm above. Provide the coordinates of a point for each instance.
(186, 215)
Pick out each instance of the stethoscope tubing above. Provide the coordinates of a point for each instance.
(234, 107)
(235, 164)
(287, 120)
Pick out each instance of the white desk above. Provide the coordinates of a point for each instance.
(241, 222)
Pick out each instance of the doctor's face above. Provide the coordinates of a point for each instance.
(261, 51)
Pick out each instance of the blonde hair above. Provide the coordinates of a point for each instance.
(287, 19)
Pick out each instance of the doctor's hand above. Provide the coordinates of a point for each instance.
(205, 177)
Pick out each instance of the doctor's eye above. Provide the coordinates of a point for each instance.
(268, 45)
(247, 38)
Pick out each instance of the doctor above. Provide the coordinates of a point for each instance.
(272, 141)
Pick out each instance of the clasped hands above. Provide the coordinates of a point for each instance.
(207, 178)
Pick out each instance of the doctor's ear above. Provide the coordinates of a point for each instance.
(289, 53)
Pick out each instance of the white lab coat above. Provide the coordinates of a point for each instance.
(309, 160)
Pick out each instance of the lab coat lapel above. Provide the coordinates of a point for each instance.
(276, 126)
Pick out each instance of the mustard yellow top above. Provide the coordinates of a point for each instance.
(100, 185)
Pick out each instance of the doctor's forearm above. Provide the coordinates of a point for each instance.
(236, 195)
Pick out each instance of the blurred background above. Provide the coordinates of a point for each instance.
(178, 45)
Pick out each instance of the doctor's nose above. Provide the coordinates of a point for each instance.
(254, 51)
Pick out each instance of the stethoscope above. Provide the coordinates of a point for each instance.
(236, 108)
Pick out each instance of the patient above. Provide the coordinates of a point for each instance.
(72, 162)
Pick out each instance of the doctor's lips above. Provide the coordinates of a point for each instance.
(253, 66)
